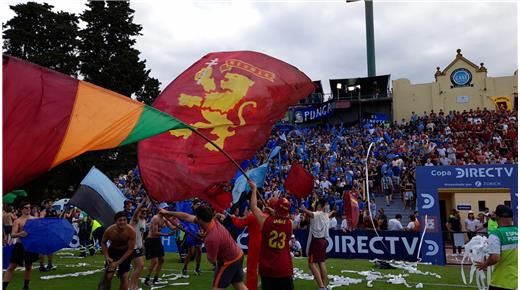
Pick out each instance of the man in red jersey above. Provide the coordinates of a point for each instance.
(276, 268)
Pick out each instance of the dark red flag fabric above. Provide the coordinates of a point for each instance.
(233, 98)
(219, 197)
(299, 181)
(351, 206)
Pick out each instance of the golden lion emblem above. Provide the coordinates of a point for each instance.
(216, 104)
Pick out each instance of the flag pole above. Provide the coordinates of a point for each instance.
(221, 150)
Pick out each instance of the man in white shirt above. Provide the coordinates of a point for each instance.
(395, 223)
(344, 224)
(317, 242)
(333, 222)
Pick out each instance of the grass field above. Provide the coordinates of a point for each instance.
(66, 265)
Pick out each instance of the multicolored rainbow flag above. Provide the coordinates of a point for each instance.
(49, 117)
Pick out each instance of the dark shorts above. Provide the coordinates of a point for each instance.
(116, 254)
(138, 253)
(153, 248)
(8, 230)
(281, 283)
(21, 257)
(318, 250)
(192, 242)
(229, 273)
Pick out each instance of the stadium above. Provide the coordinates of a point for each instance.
(245, 173)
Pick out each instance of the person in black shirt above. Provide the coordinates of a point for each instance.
(47, 212)
(454, 226)
(382, 220)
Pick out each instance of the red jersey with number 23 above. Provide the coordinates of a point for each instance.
(275, 256)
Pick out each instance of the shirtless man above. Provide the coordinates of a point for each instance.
(19, 256)
(119, 255)
(138, 223)
(154, 249)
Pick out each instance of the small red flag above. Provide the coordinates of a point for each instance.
(299, 181)
(351, 209)
(220, 197)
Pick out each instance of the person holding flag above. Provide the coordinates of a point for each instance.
(138, 223)
(253, 247)
(222, 250)
(154, 249)
(317, 242)
(19, 256)
(276, 267)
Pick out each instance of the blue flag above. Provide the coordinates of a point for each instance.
(274, 152)
(256, 174)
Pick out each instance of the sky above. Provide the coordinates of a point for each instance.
(324, 39)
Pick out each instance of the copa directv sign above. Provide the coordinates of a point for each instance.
(430, 178)
(472, 176)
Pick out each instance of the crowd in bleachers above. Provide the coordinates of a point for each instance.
(335, 155)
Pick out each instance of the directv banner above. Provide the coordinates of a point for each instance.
(430, 179)
(313, 112)
(358, 244)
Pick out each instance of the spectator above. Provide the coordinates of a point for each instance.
(387, 188)
(333, 223)
(344, 224)
(414, 224)
(395, 223)
(382, 220)
(471, 225)
(296, 247)
(454, 227)
(481, 230)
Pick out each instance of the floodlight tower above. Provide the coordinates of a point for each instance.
(369, 24)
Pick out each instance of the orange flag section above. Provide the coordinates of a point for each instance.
(93, 126)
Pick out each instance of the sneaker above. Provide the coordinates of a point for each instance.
(43, 269)
(197, 272)
(148, 283)
(51, 267)
(184, 272)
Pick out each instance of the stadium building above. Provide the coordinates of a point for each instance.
(462, 85)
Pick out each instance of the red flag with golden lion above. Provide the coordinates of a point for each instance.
(233, 98)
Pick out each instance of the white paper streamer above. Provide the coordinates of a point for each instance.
(476, 251)
(77, 265)
(64, 254)
(77, 274)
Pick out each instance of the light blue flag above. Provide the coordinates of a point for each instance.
(256, 174)
(283, 137)
(274, 152)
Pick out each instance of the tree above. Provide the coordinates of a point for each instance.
(107, 56)
(42, 36)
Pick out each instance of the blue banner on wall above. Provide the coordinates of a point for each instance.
(430, 178)
(313, 112)
(168, 242)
